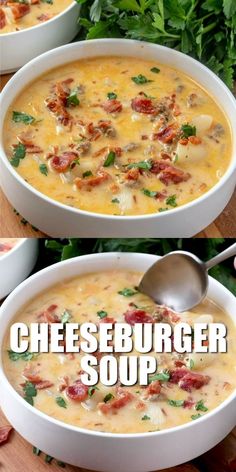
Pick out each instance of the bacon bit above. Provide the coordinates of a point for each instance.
(137, 316)
(114, 188)
(142, 104)
(188, 380)
(31, 374)
(112, 106)
(43, 384)
(64, 383)
(62, 162)
(179, 363)
(188, 404)
(183, 141)
(105, 150)
(90, 182)
(227, 385)
(19, 10)
(165, 156)
(5, 433)
(177, 374)
(44, 17)
(107, 319)
(49, 316)
(124, 397)
(26, 139)
(57, 108)
(94, 133)
(78, 391)
(2, 19)
(169, 174)
(140, 405)
(132, 174)
(144, 137)
(194, 140)
(166, 135)
(154, 388)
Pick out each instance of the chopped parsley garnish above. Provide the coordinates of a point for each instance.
(29, 392)
(102, 314)
(20, 117)
(115, 200)
(88, 173)
(155, 70)
(195, 417)
(171, 200)
(61, 402)
(188, 130)
(146, 165)
(128, 292)
(65, 317)
(176, 403)
(110, 159)
(108, 397)
(200, 406)
(111, 95)
(140, 79)
(18, 154)
(145, 417)
(72, 99)
(43, 169)
(24, 356)
(149, 193)
(162, 376)
(163, 209)
(91, 391)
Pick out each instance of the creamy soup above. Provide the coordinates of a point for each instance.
(188, 386)
(118, 135)
(16, 16)
(6, 244)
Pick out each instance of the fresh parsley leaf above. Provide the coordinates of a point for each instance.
(145, 418)
(188, 130)
(140, 79)
(171, 200)
(111, 95)
(146, 165)
(29, 392)
(43, 169)
(162, 376)
(18, 154)
(21, 117)
(61, 402)
(72, 99)
(102, 314)
(115, 200)
(91, 391)
(155, 70)
(191, 364)
(149, 193)
(200, 406)
(195, 417)
(176, 403)
(108, 397)
(87, 173)
(65, 317)
(128, 292)
(110, 159)
(24, 356)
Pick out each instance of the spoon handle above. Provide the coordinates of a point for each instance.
(229, 252)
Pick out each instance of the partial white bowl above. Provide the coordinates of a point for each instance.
(17, 264)
(59, 220)
(106, 452)
(18, 48)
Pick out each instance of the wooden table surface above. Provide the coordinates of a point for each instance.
(13, 225)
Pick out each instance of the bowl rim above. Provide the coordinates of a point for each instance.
(76, 429)
(13, 249)
(45, 23)
(62, 51)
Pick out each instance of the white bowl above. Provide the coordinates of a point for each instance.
(20, 47)
(59, 220)
(108, 452)
(17, 264)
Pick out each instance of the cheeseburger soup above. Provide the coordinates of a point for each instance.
(118, 135)
(6, 244)
(19, 15)
(185, 388)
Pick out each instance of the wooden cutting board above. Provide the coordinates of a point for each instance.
(13, 225)
(17, 456)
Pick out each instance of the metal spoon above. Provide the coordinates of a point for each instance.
(179, 280)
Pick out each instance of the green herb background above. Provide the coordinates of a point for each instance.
(204, 29)
(54, 250)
